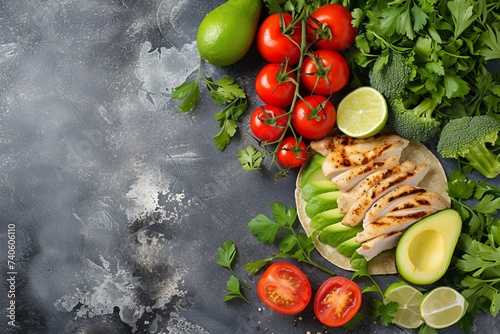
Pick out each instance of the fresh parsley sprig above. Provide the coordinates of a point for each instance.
(224, 92)
(225, 258)
(189, 92)
(475, 269)
(227, 92)
(292, 245)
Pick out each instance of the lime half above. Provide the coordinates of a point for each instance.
(442, 307)
(362, 113)
(408, 299)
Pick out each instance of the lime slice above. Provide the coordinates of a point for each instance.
(442, 307)
(408, 299)
(362, 113)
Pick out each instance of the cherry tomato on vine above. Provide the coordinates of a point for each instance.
(268, 123)
(330, 26)
(313, 116)
(325, 72)
(337, 300)
(284, 288)
(290, 153)
(277, 40)
(275, 85)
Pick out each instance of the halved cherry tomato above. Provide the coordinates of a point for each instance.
(325, 72)
(277, 40)
(337, 300)
(331, 27)
(290, 153)
(284, 288)
(268, 123)
(275, 85)
(313, 116)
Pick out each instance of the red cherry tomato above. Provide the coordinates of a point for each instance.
(284, 288)
(334, 31)
(325, 73)
(273, 39)
(268, 123)
(290, 153)
(275, 85)
(337, 300)
(314, 116)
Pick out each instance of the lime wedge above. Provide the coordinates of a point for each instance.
(442, 307)
(362, 113)
(408, 299)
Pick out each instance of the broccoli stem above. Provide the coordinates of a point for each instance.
(483, 160)
(425, 108)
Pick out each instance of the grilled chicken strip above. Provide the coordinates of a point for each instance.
(346, 200)
(407, 199)
(390, 224)
(343, 158)
(357, 211)
(377, 245)
(328, 144)
(353, 176)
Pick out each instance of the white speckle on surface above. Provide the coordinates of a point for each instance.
(164, 69)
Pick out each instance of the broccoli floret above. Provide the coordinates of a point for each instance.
(392, 78)
(470, 138)
(416, 123)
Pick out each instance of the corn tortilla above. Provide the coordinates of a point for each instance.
(384, 263)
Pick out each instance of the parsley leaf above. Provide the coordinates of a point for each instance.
(462, 15)
(425, 329)
(476, 266)
(250, 158)
(233, 289)
(292, 245)
(224, 91)
(189, 91)
(491, 40)
(225, 258)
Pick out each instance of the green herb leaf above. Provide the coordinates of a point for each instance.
(387, 312)
(263, 228)
(358, 317)
(292, 244)
(227, 119)
(250, 158)
(462, 15)
(491, 41)
(459, 187)
(254, 267)
(424, 329)
(233, 289)
(224, 91)
(226, 254)
(190, 92)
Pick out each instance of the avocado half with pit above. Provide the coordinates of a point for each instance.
(424, 252)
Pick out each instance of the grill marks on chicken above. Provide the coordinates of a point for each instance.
(346, 200)
(395, 203)
(357, 211)
(343, 153)
(394, 223)
(350, 178)
(378, 190)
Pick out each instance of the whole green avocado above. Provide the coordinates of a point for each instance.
(226, 34)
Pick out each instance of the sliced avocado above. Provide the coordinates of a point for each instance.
(314, 170)
(322, 202)
(336, 234)
(348, 247)
(325, 218)
(317, 187)
(424, 252)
